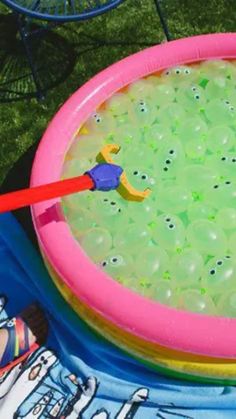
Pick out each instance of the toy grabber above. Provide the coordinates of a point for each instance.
(105, 176)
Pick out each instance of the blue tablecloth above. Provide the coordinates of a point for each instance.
(78, 374)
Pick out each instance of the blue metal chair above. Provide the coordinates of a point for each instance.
(61, 10)
(161, 14)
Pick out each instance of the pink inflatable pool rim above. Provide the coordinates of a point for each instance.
(184, 331)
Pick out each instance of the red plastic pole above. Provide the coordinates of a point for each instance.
(24, 197)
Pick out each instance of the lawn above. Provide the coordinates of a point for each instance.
(77, 51)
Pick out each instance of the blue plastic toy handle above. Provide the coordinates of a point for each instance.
(105, 176)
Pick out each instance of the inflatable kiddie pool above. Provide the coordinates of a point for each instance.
(175, 341)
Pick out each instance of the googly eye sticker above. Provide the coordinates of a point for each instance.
(116, 260)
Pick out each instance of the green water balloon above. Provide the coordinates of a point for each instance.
(86, 146)
(194, 300)
(173, 199)
(197, 177)
(220, 138)
(96, 242)
(162, 291)
(80, 220)
(194, 128)
(226, 218)
(207, 237)
(186, 268)
(195, 149)
(200, 210)
(156, 263)
(132, 238)
(226, 305)
(118, 104)
(144, 212)
(232, 243)
(75, 167)
(157, 136)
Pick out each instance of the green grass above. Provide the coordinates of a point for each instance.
(129, 28)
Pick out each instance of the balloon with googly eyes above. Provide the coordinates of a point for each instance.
(207, 237)
(108, 209)
(169, 160)
(140, 177)
(169, 232)
(191, 98)
(117, 264)
(176, 75)
(221, 194)
(143, 113)
(225, 163)
(219, 274)
(100, 122)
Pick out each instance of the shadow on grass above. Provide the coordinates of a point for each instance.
(54, 59)
(53, 54)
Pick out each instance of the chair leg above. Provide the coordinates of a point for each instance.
(163, 20)
(26, 43)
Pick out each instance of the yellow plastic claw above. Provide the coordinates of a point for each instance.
(124, 189)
